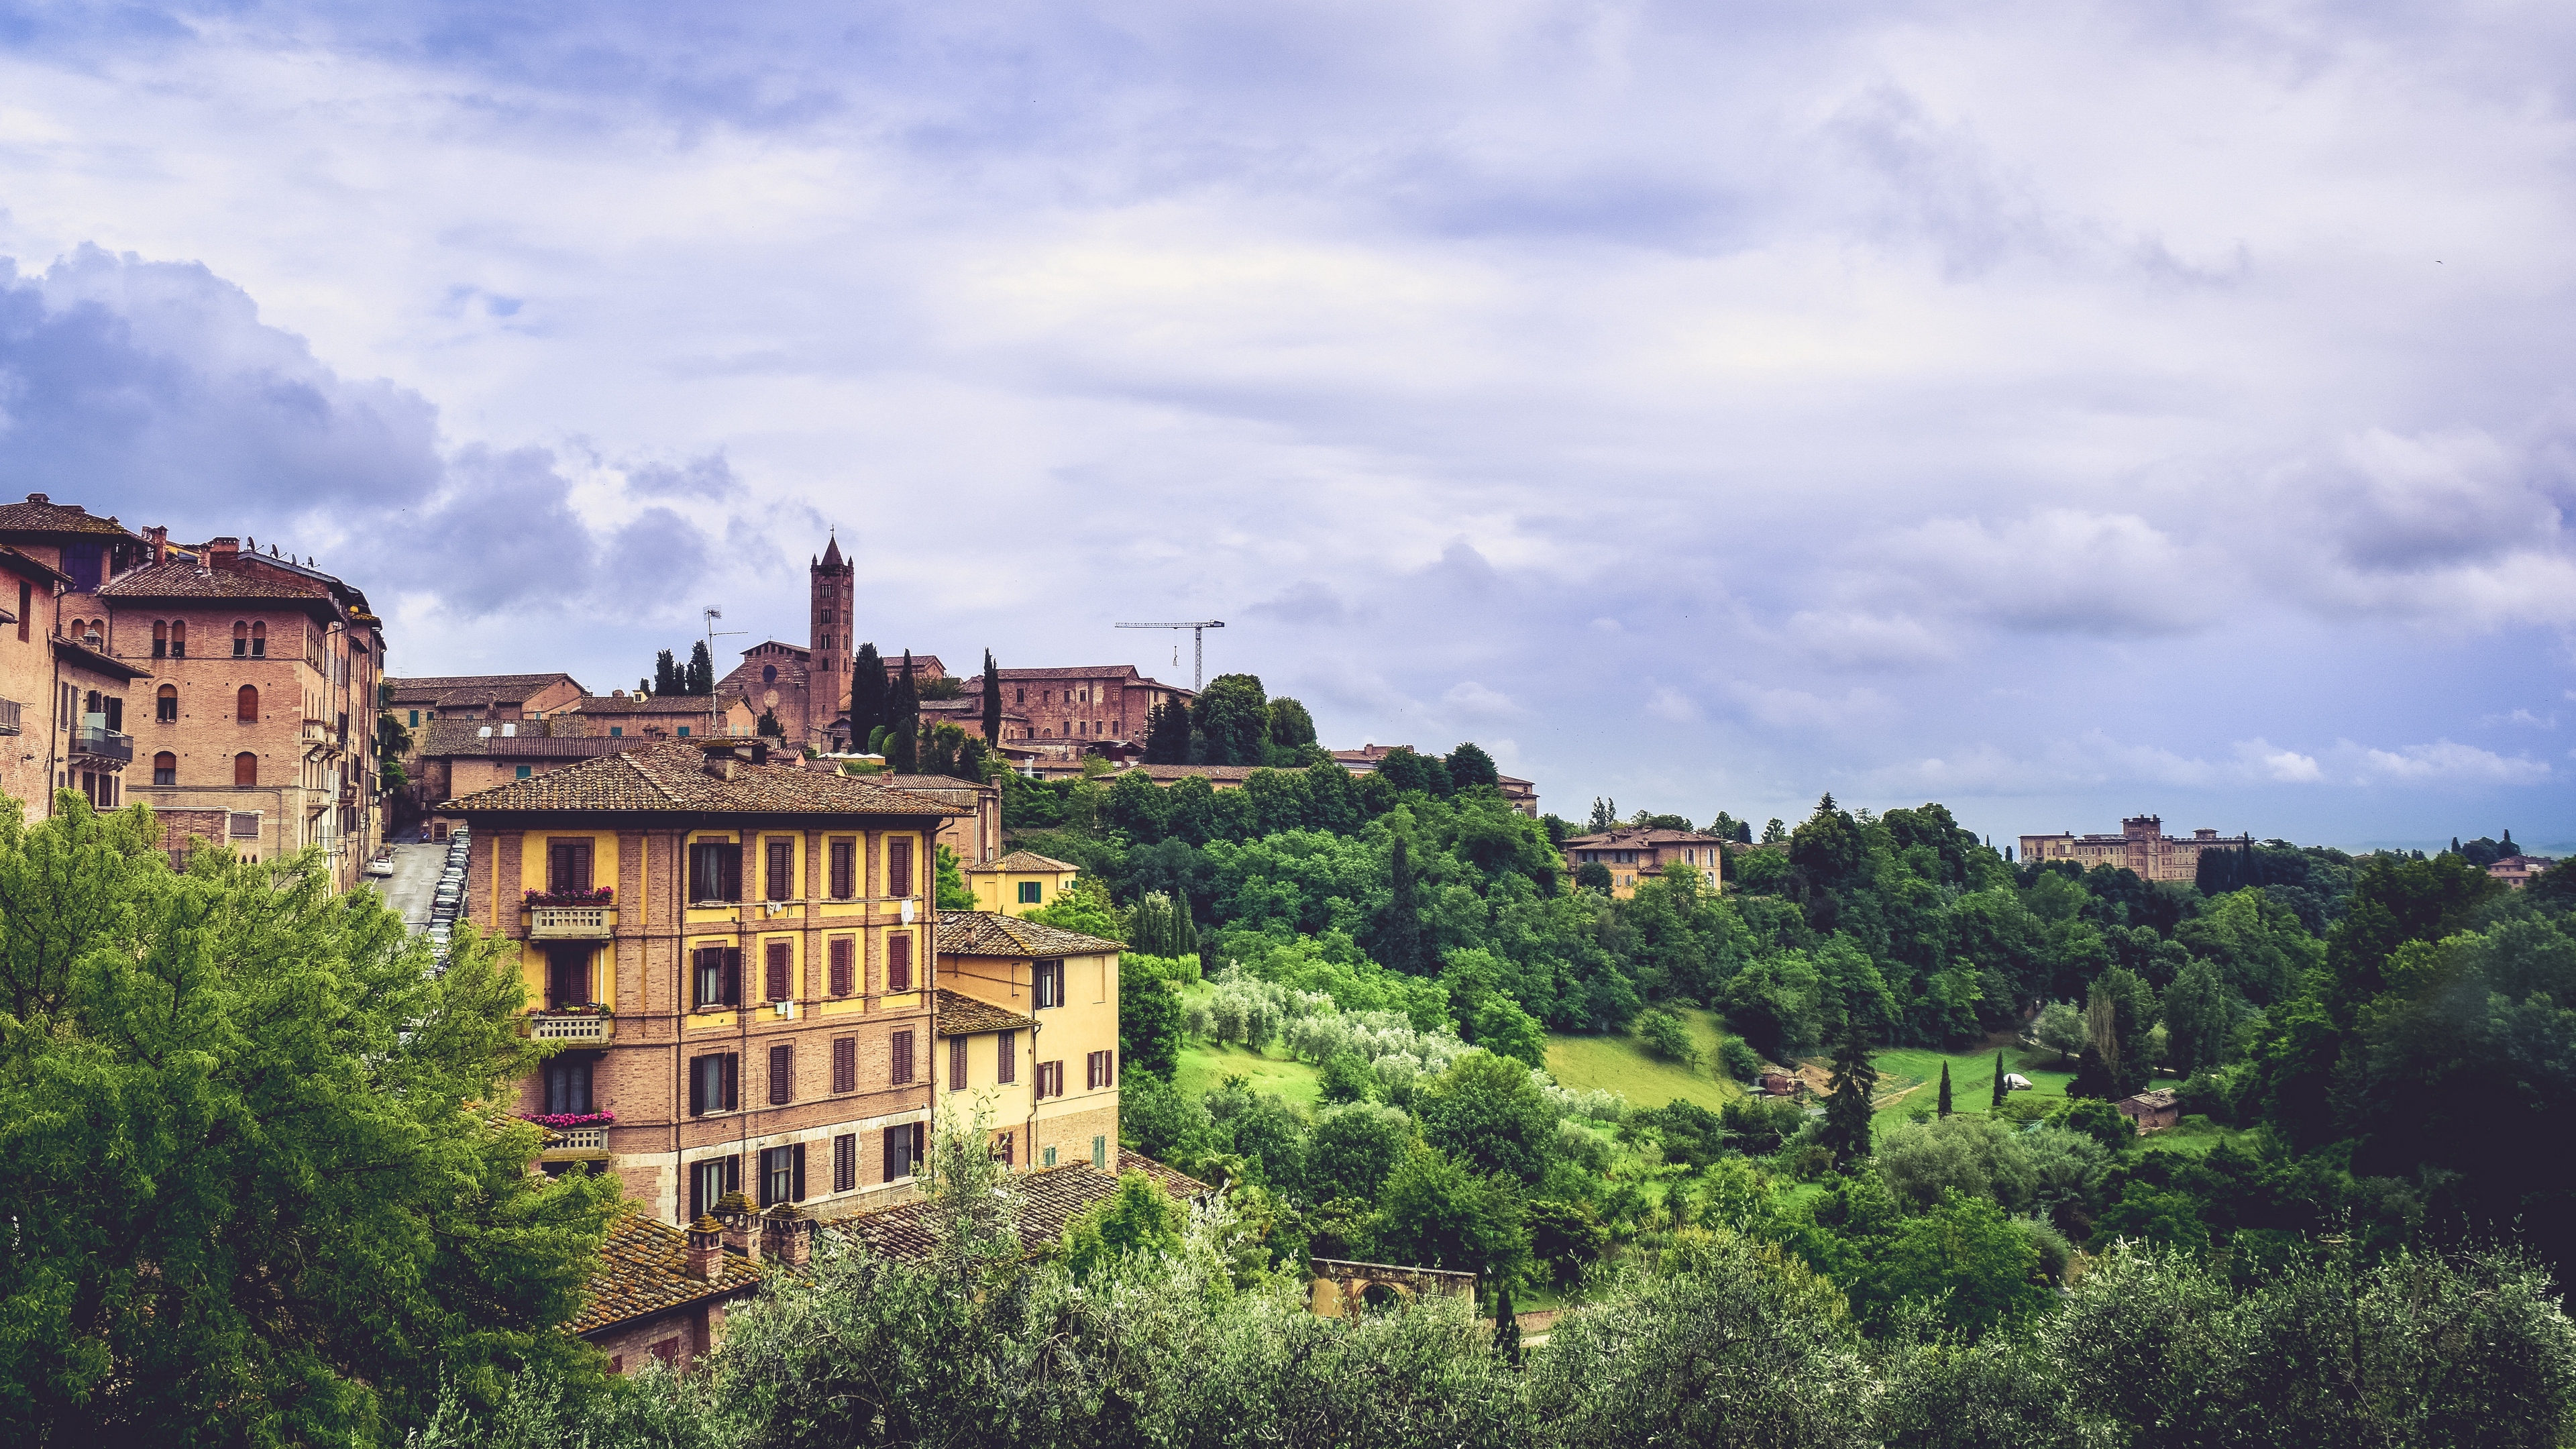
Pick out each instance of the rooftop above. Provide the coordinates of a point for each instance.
(450, 737)
(670, 777)
(644, 1270)
(1237, 773)
(427, 688)
(262, 582)
(1042, 1203)
(954, 1013)
(982, 933)
(1631, 837)
(1025, 861)
(40, 514)
(678, 704)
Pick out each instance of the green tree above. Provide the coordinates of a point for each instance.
(1140, 1218)
(1167, 735)
(1437, 1212)
(2060, 1028)
(2002, 1088)
(1291, 727)
(903, 722)
(1967, 1257)
(768, 727)
(1944, 1108)
(1486, 1110)
(1593, 876)
(867, 697)
(2196, 1018)
(667, 678)
(701, 676)
(1399, 942)
(1353, 1149)
(949, 886)
(1847, 1103)
(1149, 1019)
(264, 1195)
(1232, 718)
(992, 701)
(1666, 1035)
(1470, 767)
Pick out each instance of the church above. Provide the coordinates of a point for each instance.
(807, 686)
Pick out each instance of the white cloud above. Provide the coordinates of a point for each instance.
(1671, 705)
(2283, 765)
(1861, 638)
(2443, 762)
(1471, 701)
(2057, 570)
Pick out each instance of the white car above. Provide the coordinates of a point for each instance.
(382, 865)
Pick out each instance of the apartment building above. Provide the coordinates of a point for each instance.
(738, 958)
(1635, 854)
(2141, 846)
(1028, 1026)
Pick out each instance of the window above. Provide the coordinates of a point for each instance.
(26, 605)
(165, 704)
(415, 719)
(1048, 988)
(901, 1072)
(715, 871)
(1023, 697)
(568, 1085)
(714, 1083)
(1006, 1060)
(1031, 891)
(1050, 1157)
(568, 865)
(710, 1178)
(902, 1150)
(899, 866)
(781, 881)
(684, 732)
(1098, 1071)
(567, 976)
(782, 1075)
(769, 674)
(1002, 1148)
(522, 772)
(845, 1064)
(842, 949)
(259, 641)
(178, 638)
(845, 873)
(616, 732)
(845, 1162)
(776, 970)
(165, 768)
(241, 639)
(245, 768)
(1100, 1152)
(898, 963)
(160, 638)
(246, 705)
(719, 975)
(957, 1064)
(1050, 1080)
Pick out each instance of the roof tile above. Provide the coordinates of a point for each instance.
(954, 1013)
(644, 1270)
(983, 933)
(668, 777)
(1042, 1203)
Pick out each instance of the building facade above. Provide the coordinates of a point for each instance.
(1084, 702)
(1030, 1037)
(738, 957)
(1020, 882)
(2141, 846)
(1633, 855)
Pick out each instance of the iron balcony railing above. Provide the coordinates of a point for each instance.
(100, 744)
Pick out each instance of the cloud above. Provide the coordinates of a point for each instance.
(1859, 638)
(2281, 765)
(2445, 762)
(2056, 570)
(1671, 705)
(707, 476)
(1473, 702)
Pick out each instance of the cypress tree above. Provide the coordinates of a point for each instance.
(992, 699)
(1167, 735)
(1507, 1326)
(1945, 1089)
(2000, 1088)
(702, 670)
(903, 722)
(867, 697)
(1399, 942)
(666, 673)
(1847, 1109)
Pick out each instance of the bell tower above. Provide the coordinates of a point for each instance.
(827, 682)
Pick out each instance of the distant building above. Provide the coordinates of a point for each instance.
(1020, 882)
(417, 700)
(1083, 702)
(2141, 846)
(1633, 853)
(2152, 1111)
(2517, 871)
(1522, 794)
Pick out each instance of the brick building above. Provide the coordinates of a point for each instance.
(415, 701)
(1522, 794)
(1029, 1033)
(1632, 854)
(232, 691)
(750, 1001)
(1085, 702)
(2141, 846)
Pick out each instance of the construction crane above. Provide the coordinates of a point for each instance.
(1198, 644)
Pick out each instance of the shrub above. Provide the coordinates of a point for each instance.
(1739, 1059)
(1664, 1034)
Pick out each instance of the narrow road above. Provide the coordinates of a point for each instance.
(414, 881)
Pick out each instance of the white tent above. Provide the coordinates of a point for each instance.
(2016, 1082)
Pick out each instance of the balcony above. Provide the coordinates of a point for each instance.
(569, 1143)
(102, 744)
(319, 732)
(570, 1026)
(571, 923)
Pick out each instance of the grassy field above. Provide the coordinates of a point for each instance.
(1619, 1064)
(1972, 1081)
(1203, 1067)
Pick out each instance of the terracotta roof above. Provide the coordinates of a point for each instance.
(182, 580)
(1024, 860)
(96, 662)
(1629, 838)
(644, 1270)
(40, 515)
(982, 933)
(925, 782)
(451, 737)
(953, 1013)
(1122, 672)
(649, 704)
(511, 687)
(1042, 1202)
(668, 777)
(32, 568)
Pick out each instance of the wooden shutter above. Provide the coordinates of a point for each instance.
(729, 860)
(842, 853)
(782, 870)
(956, 1063)
(782, 1074)
(697, 1094)
(899, 866)
(1091, 1072)
(902, 1055)
(920, 1146)
(898, 1142)
(732, 1102)
(732, 975)
(899, 963)
(841, 953)
(845, 1162)
(1007, 1067)
(798, 1194)
(845, 1064)
(778, 971)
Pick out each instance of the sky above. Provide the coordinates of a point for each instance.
(2058, 411)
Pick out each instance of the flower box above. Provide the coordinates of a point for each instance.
(601, 896)
(559, 1121)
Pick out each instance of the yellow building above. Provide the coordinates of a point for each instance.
(1636, 854)
(1028, 1026)
(735, 958)
(1019, 882)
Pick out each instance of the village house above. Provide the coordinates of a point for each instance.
(1029, 1030)
(2141, 846)
(1020, 882)
(660, 1293)
(1633, 854)
(1043, 1204)
(2517, 871)
(738, 956)
(2152, 1111)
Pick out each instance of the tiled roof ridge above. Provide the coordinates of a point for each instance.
(954, 1013)
(1026, 860)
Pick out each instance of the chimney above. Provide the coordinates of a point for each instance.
(791, 1235)
(38, 498)
(223, 553)
(718, 763)
(760, 751)
(159, 537)
(741, 1224)
(706, 1248)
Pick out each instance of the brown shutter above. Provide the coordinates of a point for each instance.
(730, 858)
(899, 866)
(778, 971)
(1007, 1069)
(697, 1095)
(732, 975)
(841, 965)
(902, 1055)
(899, 963)
(845, 1162)
(782, 1074)
(798, 1194)
(845, 1064)
(956, 1063)
(842, 851)
(782, 870)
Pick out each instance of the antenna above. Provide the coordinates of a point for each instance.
(1198, 644)
(715, 713)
